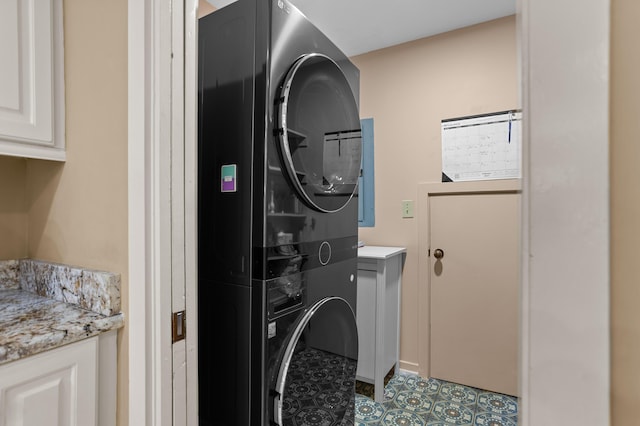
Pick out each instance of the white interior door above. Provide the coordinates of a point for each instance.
(474, 289)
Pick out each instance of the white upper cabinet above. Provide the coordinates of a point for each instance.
(32, 79)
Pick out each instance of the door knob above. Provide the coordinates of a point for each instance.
(438, 253)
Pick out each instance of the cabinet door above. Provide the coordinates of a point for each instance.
(31, 79)
(474, 289)
(366, 318)
(55, 388)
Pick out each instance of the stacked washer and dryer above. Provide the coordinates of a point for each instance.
(279, 161)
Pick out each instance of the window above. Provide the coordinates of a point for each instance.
(366, 199)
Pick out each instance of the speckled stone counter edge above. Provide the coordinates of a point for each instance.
(31, 324)
(97, 291)
(45, 305)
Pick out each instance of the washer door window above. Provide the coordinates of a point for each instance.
(319, 133)
(317, 376)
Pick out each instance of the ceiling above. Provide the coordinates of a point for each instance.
(361, 26)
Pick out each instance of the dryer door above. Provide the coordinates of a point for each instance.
(317, 376)
(319, 133)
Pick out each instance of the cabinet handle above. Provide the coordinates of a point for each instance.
(438, 253)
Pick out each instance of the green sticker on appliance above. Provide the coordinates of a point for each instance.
(228, 178)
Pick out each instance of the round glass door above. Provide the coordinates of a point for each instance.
(319, 133)
(317, 376)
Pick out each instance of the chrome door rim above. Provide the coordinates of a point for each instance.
(283, 129)
(288, 353)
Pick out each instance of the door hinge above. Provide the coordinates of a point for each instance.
(178, 326)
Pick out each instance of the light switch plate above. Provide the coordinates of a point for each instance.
(407, 208)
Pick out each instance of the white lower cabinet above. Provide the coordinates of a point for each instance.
(378, 314)
(60, 387)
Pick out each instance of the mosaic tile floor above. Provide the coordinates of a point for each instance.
(413, 401)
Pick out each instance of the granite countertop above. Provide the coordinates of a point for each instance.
(45, 305)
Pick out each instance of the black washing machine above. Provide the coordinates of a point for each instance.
(279, 158)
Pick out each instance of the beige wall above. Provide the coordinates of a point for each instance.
(625, 212)
(408, 89)
(204, 8)
(78, 209)
(76, 212)
(13, 208)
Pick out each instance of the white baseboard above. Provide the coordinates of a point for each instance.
(409, 367)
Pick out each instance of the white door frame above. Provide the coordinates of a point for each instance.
(565, 361)
(149, 99)
(565, 252)
(191, 207)
(162, 210)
